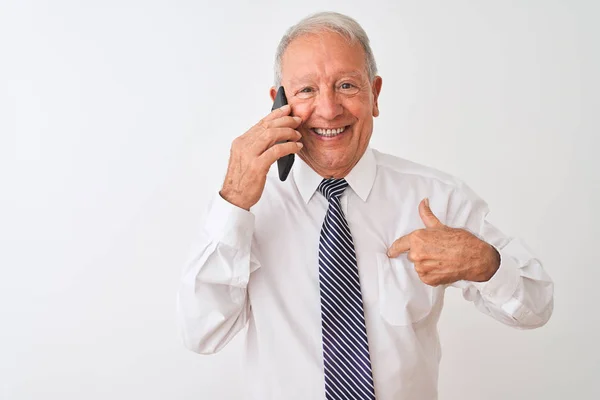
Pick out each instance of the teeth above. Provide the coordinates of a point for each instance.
(329, 132)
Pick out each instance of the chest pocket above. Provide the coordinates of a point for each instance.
(403, 298)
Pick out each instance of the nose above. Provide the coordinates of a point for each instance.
(328, 105)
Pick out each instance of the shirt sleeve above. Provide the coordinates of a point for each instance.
(520, 294)
(212, 302)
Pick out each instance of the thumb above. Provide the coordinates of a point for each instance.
(429, 219)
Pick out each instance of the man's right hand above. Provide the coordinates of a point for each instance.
(253, 153)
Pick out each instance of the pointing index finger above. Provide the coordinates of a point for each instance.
(400, 246)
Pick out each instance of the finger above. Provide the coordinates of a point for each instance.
(419, 268)
(273, 136)
(277, 151)
(277, 113)
(427, 216)
(400, 246)
(413, 257)
(286, 121)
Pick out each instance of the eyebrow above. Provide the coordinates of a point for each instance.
(352, 74)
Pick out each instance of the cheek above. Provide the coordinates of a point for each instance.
(301, 110)
(361, 108)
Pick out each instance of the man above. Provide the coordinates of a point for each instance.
(339, 272)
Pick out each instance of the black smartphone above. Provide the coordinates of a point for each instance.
(284, 164)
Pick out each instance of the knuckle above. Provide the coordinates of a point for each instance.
(263, 124)
(275, 151)
(237, 144)
(415, 255)
(269, 134)
(288, 132)
(419, 269)
(421, 234)
(428, 279)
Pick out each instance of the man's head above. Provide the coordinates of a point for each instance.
(328, 71)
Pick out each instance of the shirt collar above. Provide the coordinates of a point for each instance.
(361, 178)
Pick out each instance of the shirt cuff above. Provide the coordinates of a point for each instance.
(228, 223)
(503, 285)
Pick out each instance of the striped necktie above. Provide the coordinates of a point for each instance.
(345, 347)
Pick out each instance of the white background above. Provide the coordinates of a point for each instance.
(116, 118)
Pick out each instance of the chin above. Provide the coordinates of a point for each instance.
(327, 160)
(333, 166)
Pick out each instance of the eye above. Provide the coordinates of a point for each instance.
(306, 92)
(348, 88)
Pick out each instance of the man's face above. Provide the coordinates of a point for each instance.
(327, 85)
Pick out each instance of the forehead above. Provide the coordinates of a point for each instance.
(324, 54)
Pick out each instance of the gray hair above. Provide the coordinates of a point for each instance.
(331, 21)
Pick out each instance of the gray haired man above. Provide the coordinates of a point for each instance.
(339, 272)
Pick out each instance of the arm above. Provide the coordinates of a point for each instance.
(212, 303)
(520, 293)
(500, 275)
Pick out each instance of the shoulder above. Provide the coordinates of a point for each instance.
(399, 169)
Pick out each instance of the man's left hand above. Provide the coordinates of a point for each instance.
(444, 255)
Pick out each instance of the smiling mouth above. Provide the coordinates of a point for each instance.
(329, 132)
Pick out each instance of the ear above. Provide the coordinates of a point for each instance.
(273, 93)
(377, 82)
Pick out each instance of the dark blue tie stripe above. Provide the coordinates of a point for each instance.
(337, 219)
(341, 341)
(343, 290)
(343, 338)
(348, 374)
(340, 244)
(342, 374)
(337, 314)
(329, 255)
(331, 225)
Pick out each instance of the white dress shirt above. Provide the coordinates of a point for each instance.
(260, 269)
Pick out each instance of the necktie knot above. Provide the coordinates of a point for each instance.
(332, 188)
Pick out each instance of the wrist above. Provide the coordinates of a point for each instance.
(490, 264)
(493, 263)
(231, 197)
